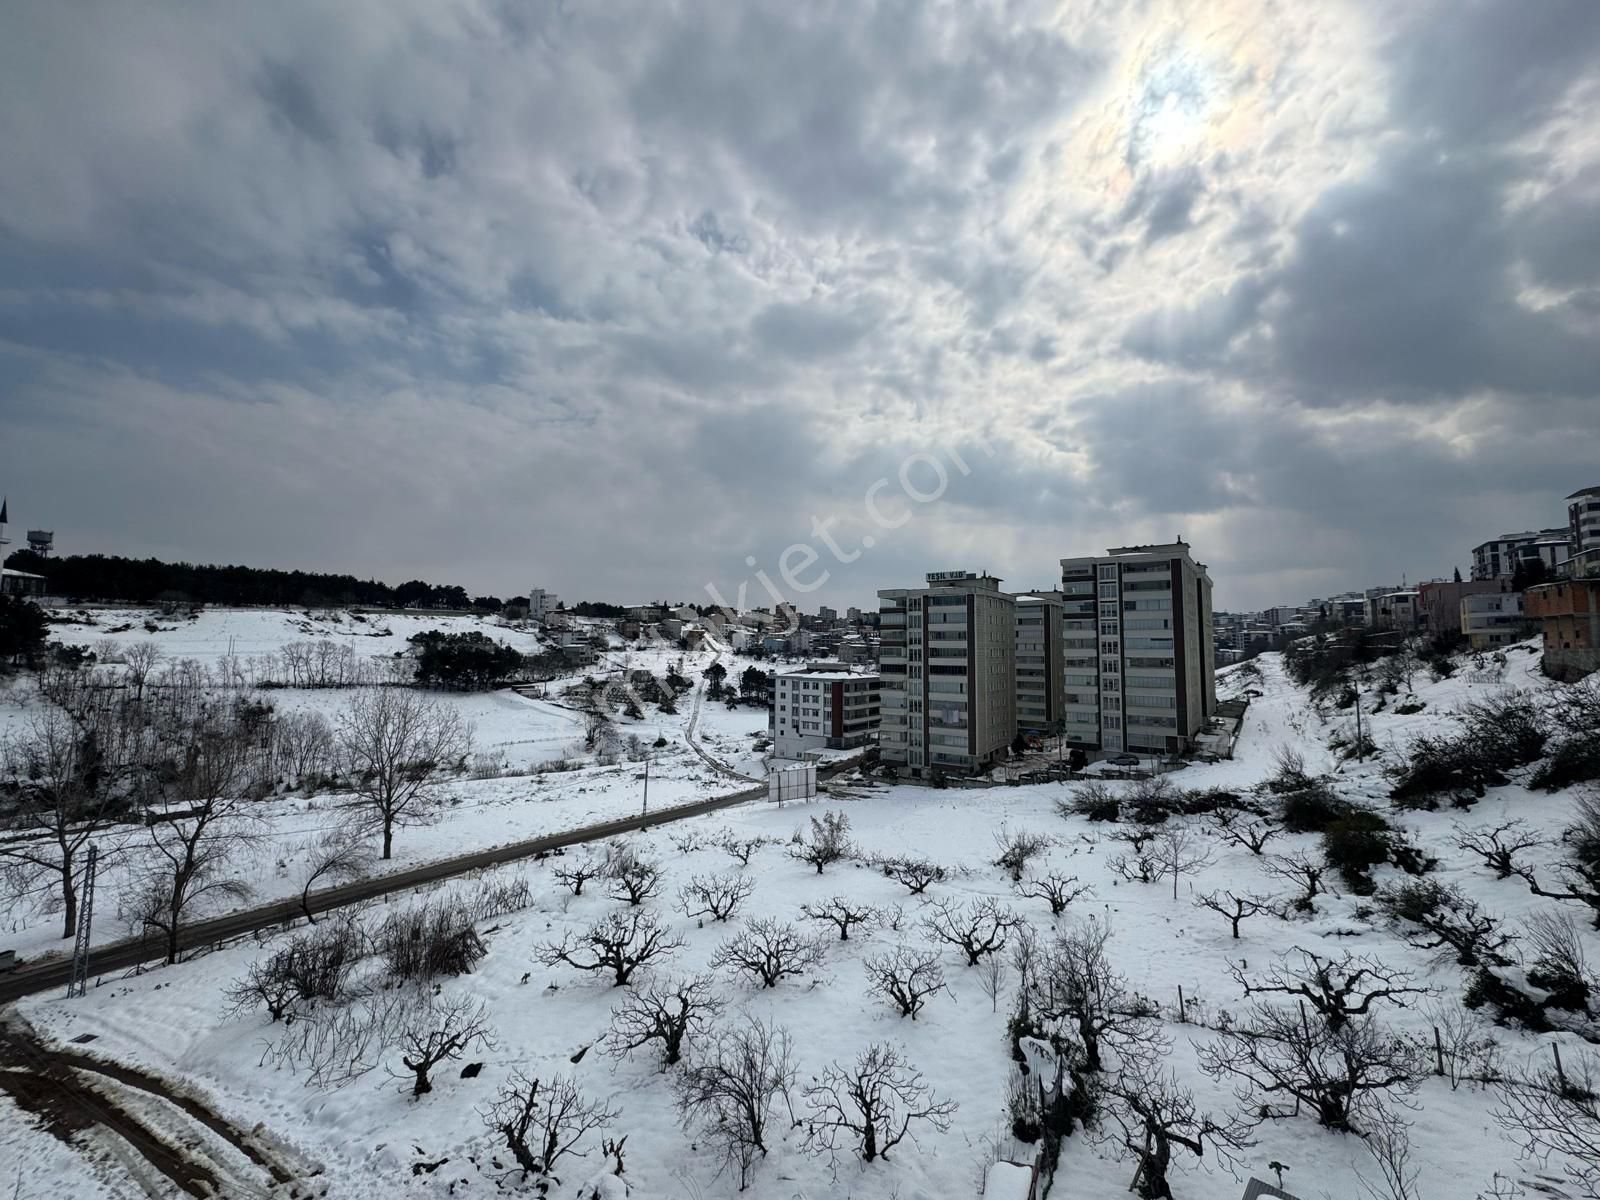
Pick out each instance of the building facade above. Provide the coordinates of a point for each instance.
(1138, 664)
(1491, 619)
(1039, 668)
(1499, 557)
(540, 604)
(822, 706)
(1583, 520)
(1440, 600)
(1569, 615)
(948, 666)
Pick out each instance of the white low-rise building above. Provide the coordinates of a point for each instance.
(823, 706)
(1490, 619)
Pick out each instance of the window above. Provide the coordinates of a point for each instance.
(1112, 721)
(1108, 571)
(1109, 648)
(1108, 591)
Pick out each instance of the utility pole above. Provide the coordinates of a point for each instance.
(1360, 747)
(79, 983)
(646, 810)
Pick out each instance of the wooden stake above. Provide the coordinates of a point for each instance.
(1438, 1049)
(1183, 1012)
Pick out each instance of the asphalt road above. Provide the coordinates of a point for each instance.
(119, 956)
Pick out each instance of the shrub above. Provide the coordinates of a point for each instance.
(428, 941)
(1575, 760)
(1313, 808)
(1355, 843)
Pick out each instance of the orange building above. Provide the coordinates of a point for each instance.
(1570, 613)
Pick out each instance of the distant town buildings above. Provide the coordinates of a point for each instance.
(1499, 557)
(1583, 520)
(1138, 662)
(823, 706)
(948, 669)
(540, 604)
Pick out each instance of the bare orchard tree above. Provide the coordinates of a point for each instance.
(978, 928)
(1233, 907)
(1555, 1113)
(1252, 835)
(1388, 1141)
(58, 807)
(726, 1093)
(843, 914)
(1436, 916)
(1303, 872)
(543, 1121)
(1498, 845)
(437, 1031)
(1150, 1114)
(1018, 848)
(1338, 988)
(620, 943)
(1346, 1076)
(914, 874)
(667, 1012)
(906, 977)
(871, 1104)
(1180, 850)
(828, 842)
(769, 951)
(331, 858)
(741, 849)
(195, 828)
(573, 875)
(392, 743)
(139, 661)
(714, 896)
(1055, 889)
(1072, 980)
(633, 879)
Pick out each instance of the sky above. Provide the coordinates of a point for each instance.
(640, 301)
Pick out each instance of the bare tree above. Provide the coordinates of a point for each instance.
(573, 875)
(1139, 864)
(1179, 850)
(620, 943)
(992, 975)
(337, 1044)
(1438, 916)
(1149, 1114)
(714, 896)
(1072, 980)
(1556, 1113)
(906, 977)
(1389, 1143)
(543, 1122)
(139, 661)
(978, 928)
(333, 857)
(1339, 989)
(1054, 889)
(828, 843)
(1345, 1075)
(316, 965)
(1018, 848)
(440, 1030)
(871, 1104)
(1498, 845)
(727, 1093)
(667, 1012)
(769, 951)
(1253, 836)
(59, 806)
(1234, 908)
(195, 829)
(1469, 1053)
(914, 874)
(633, 879)
(741, 849)
(843, 914)
(392, 744)
(1303, 872)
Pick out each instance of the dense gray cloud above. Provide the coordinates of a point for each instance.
(616, 299)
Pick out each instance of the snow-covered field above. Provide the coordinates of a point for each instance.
(518, 733)
(368, 1134)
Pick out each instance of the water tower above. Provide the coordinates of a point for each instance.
(41, 541)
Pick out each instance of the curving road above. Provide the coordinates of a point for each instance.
(119, 956)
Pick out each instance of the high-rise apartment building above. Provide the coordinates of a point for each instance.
(1039, 663)
(1583, 520)
(1137, 655)
(948, 674)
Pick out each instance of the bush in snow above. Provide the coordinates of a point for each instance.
(828, 843)
(428, 941)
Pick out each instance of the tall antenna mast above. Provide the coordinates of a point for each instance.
(79, 984)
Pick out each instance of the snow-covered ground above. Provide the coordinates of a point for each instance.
(369, 1134)
(517, 733)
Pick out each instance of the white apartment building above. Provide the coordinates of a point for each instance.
(1490, 619)
(1498, 557)
(948, 666)
(1583, 520)
(822, 706)
(540, 603)
(1137, 654)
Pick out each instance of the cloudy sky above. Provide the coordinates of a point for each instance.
(617, 299)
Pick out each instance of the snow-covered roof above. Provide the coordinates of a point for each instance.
(20, 574)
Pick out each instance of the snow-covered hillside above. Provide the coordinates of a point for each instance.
(546, 1020)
